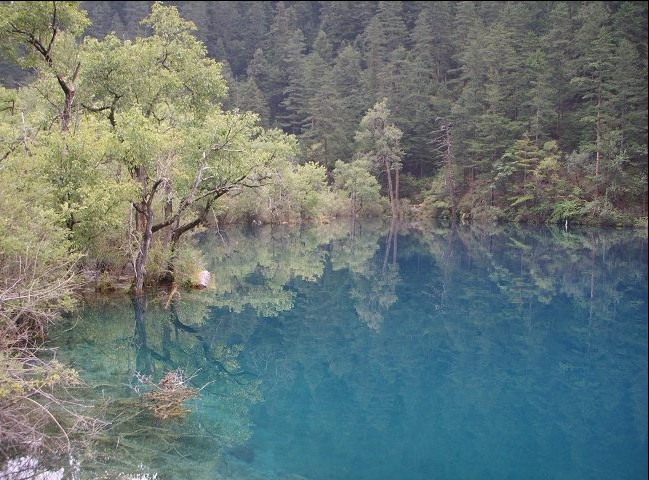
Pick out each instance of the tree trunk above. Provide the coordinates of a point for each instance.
(144, 225)
(390, 189)
(599, 138)
(66, 115)
(145, 245)
(168, 213)
(598, 141)
(70, 91)
(396, 192)
(450, 164)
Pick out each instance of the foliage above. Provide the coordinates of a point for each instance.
(436, 203)
(37, 282)
(379, 145)
(359, 185)
(567, 210)
(503, 74)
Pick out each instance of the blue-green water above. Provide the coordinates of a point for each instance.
(332, 353)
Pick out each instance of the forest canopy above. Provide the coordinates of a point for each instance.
(545, 102)
(514, 111)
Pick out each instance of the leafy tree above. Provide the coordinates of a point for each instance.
(47, 30)
(358, 183)
(37, 282)
(379, 142)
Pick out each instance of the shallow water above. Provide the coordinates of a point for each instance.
(340, 353)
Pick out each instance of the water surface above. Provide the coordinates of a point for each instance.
(339, 352)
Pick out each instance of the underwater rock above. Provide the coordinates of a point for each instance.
(243, 453)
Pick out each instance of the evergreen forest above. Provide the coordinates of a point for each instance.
(508, 111)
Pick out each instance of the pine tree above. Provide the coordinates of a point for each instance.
(424, 79)
(630, 75)
(344, 21)
(561, 51)
(247, 97)
(540, 96)
(276, 68)
(336, 110)
(322, 46)
(594, 66)
(385, 34)
(325, 139)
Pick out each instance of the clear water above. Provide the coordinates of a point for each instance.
(355, 353)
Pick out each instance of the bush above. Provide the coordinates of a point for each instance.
(436, 201)
(569, 209)
(187, 263)
(602, 212)
(413, 188)
(37, 283)
(157, 265)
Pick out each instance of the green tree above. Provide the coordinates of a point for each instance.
(540, 96)
(38, 277)
(378, 141)
(594, 67)
(385, 34)
(276, 67)
(247, 97)
(160, 95)
(343, 22)
(48, 32)
(514, 171)
(355, 179)
(335, 111)
(560, 43)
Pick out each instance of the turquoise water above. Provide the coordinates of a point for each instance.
(361, 353)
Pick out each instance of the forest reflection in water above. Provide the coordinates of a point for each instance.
(370, 351)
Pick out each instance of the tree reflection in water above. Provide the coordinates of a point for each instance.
(368, 318)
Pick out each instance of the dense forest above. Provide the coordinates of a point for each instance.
(502, 111)
(526, 111)
(126, 126)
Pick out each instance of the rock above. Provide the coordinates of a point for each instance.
(203, 279)
(243, 453)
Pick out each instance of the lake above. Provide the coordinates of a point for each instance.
(368, 352)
